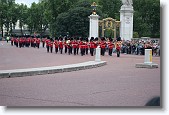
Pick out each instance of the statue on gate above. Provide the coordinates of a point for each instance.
(127, 2)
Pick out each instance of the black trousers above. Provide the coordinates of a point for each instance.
(110, 52)
(82, 51)
(47, 48)
(77, 51)
(69, 50)
(23, 44)
(20, 45)
(56, 50)
(65, 49)
(102, 51)
(87, 51)
(37, 45)
(61, 50)
(28, 44)
(33, 44)
(43, 44)
(118, 53)
(74, 51)
(92, 51)
(51, 49)
(16, 44)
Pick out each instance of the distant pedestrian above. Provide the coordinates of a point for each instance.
(7, 39)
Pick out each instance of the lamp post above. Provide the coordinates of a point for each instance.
(67, 34)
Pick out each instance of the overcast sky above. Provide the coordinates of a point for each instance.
(27, 2)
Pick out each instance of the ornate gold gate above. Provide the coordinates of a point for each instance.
(109, 24)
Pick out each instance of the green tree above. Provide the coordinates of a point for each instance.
(110, 8)
(3, 12)
(56, 7)
(13, 10)
(22, 16)
(35, 20)
(6, 14)
(7, 17)
(147, 17)
(45, 16)
(75, 21)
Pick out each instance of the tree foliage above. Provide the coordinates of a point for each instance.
(62, 16)
(7, 14)
(22, 16)
(147, 17)
(110, 8)
(75, 21)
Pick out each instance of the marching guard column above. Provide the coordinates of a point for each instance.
(94, 22)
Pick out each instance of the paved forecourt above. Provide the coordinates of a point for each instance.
(22, 58)
(16, 52)
(119, 83)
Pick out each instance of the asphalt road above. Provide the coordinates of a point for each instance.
(118, 83)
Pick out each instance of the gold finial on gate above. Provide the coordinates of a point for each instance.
(94, 5)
